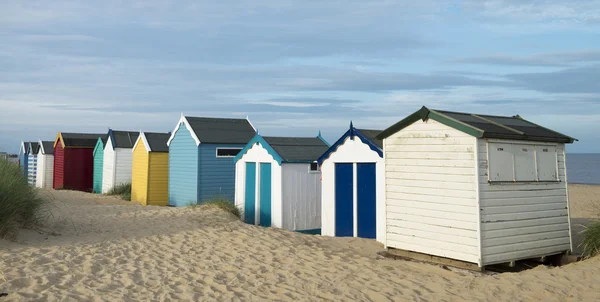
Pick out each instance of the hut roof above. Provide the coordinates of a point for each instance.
(483, 126)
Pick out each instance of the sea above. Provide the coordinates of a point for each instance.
(583, 168)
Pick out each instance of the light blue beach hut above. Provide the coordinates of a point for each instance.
(24, 157)
(201, 152)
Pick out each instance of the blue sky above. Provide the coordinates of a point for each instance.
(295, 67)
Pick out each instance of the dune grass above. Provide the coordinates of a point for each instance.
(225, 205)
(123, 190)
(20, 205)
(590, 244)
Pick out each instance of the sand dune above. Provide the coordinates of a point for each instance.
(98, 248)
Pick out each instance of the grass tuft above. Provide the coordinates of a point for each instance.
(225, 205)
(590, 244)
(20, 205)
(123, 190)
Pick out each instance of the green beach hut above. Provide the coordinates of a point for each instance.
(99, 164)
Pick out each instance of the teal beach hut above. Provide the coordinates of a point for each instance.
(99, 163)
(201, 152)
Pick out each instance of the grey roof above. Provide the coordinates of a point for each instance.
(221, 130)
(372, 135)
(26, 146)
(157, 141)
(88, 140)
(34, 147)
(505, 126)
(483, 126)
(124, 139)
(48, 147)
(297, 149)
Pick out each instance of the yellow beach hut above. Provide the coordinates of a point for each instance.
(150, 169)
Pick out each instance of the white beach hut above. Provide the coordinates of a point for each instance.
(117, 158)
(277, 182)
(475, 188)
(353, 186)
(34, 149)
(45, 165)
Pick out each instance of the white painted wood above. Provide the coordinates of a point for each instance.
(45, 171)
(302, 197)
(123, 163)
(431, 192)
(562, 156)
(108, 167)
(524, 220)
(478, 203)
(258, 154)
(500, 160)
(116, 166)
(546, 162)
(351, 151)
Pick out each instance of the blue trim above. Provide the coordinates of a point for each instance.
(258, 139)
(322, 139)
(352, 132)
(310, 232)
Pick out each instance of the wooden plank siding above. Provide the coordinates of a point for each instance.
(522, 220)
(158, 179)
(216, 175)
(183, 168)
(431, 204)
(139, 176)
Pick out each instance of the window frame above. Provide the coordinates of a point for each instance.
(310, 170)
(534, 145)
(227, 156)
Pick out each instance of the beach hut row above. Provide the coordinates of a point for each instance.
(476, 188)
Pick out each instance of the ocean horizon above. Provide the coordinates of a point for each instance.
(583, 168)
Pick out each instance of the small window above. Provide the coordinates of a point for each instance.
(314, 167)
(228, 152)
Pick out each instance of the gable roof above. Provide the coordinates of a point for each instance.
(208, 130)
(368, 137)
(47, 147)
(122, 139)
(289, 149)
(78, 140)
(483, 126)
(24, 147)
(157, 142)
(34, 147)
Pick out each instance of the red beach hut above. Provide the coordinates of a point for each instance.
(74, 160)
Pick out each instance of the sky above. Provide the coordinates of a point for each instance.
(295, 67)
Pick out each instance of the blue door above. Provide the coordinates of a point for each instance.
(265, 195)
(366, 200)
(250, 197)
(344, 218)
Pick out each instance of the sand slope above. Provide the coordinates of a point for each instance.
(101, 249)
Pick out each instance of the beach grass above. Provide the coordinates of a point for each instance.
(123, 190)
(225, 205)
(20, 204)
(590, 245)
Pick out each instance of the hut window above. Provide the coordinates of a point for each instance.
(514, 162)
(228, 152)
(546, 163)
(314, 167)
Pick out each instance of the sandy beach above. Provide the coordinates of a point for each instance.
(99, 248)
